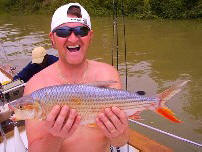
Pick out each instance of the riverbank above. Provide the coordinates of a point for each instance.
(145, 9)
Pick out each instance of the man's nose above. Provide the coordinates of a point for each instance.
(73, 38)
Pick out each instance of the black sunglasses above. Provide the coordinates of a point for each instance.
(66, 31)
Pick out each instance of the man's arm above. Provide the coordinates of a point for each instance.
(48, 135)
(38, 137)
(114, 124)
(113, 121)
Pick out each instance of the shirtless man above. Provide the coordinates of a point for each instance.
(71, 35)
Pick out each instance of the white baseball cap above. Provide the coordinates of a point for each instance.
(38, 55)
(60, 16)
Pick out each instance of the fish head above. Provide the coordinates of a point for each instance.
(25, 108)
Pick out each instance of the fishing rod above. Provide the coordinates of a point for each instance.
(115, 33)
(124, 39)
(166, 133)
(117, 37)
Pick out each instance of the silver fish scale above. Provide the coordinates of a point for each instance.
(63, 93)
(90, 100)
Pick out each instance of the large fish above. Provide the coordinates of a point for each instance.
(90, 100)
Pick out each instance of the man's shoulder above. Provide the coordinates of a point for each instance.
(105, 72)
(39, 80)
(101, 66)
(40, 76)
(35, 83)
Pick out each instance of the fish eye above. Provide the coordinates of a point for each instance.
(20, 107)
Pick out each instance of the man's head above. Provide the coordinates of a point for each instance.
(71, 32)
(65, 13)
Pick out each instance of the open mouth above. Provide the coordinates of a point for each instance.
(11, 107)
(12, 116)
(73, 48)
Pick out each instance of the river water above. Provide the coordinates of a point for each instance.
(160, 53)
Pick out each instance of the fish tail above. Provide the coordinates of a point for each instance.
(167, 113)
(164, 97)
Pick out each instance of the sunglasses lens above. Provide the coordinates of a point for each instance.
(66, 31)
(63, 32)
(81, 31)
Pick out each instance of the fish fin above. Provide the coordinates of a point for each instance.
(136, 116)
(92, 125)
(170, 92)
(167, 113)
(165, 96)
(101, 84)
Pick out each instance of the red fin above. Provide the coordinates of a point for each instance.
(165, 96)
(167, 113)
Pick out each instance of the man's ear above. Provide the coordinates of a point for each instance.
(91, 35)
(51, 36)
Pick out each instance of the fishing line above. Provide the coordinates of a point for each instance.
(113, 45)
(115, 31)
(124, 39)
(117, 38)
(166, 133)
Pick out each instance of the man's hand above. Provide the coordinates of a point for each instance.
(114, 123)
(62, 121)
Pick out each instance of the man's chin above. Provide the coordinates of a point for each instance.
(75, 61)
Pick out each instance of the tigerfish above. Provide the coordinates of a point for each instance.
(89, 100)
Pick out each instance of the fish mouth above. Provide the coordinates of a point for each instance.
(73, 48)
(13, 117)
(23, 114)
(11, 107)
(12, 110)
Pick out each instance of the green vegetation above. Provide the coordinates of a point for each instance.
(172, 9)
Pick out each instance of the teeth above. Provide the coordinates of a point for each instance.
(73, 47)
